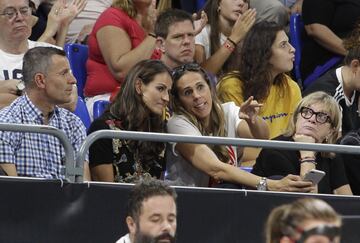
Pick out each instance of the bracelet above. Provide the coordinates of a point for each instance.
(152, 35)
(307, 157)
(231, 41)
(312, 160)
(229, 46)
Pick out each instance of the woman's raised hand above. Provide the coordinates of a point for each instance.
(301, 138)
(148, 21)
(249, 110)
(200, 23)
(242, 25)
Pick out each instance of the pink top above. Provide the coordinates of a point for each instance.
(99, 78)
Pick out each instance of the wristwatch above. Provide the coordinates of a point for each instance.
(20, 88)
(262, 186)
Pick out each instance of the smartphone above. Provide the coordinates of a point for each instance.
(314, 176)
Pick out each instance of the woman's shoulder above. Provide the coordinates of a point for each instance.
(229, 81)
(180, 124)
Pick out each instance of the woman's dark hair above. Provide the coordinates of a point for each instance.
(128, 107)
(352, 45)
(255, 69)
(216, 115)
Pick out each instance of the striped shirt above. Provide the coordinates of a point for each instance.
(35, 154)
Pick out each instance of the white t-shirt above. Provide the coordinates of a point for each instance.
(124, 239)
(11, 64)
(203, 39)
(179, 170)
(89, 15)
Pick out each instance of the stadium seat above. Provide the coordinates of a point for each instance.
(99, 107)
(296, 29)
(246, 168)
(82, 112)
(77, 55)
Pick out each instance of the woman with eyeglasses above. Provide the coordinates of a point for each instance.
(197, 112)
(139, 106)
(315, 120)
(306, 220)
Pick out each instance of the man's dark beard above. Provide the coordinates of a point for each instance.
(144, 238)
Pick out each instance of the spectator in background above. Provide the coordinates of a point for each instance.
(175, 31)
(267, 56)
(48, 82)
(151, 213)
(15, 22)
(217, 45)
(139, 106)
(129, 22)
(271, 11)
(343, 83)
(326, 22)
(198, 112)
(305, 220)
(315, 120)
(82, 25)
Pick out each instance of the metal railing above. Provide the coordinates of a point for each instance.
(71, 170)
(161, 137)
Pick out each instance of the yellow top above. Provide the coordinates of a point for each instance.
(277, 108)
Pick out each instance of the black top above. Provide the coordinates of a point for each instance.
(329, 83)
(40, 26)
(276, 162)
(339, 16)
(352, 161)
(127, 167)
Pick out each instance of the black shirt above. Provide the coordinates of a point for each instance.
(276, 162)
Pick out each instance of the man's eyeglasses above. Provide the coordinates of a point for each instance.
(320, 117)
(11, 12)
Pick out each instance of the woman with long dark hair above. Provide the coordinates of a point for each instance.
(139, 106)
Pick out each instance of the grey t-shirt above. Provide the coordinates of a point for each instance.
(180, 171)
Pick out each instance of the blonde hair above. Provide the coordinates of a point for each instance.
(126, 5)
(285, 219)
(332, 109)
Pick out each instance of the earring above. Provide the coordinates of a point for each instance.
(218, 9)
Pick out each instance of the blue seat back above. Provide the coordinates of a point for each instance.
(99, 107)
(321, 69)
(296, 29)
(82, 112)
(78, 55)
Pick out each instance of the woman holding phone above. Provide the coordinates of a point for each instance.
(315, 120)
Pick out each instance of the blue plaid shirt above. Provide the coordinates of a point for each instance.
(34, 154)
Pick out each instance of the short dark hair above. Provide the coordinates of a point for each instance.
(169, 17)
(38, 60)
(145, 189)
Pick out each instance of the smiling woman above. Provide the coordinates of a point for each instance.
(139, 106)
(315, 120)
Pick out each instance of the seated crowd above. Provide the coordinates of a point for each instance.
(225, 71)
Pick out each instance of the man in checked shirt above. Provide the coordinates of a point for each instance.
(48, 82)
